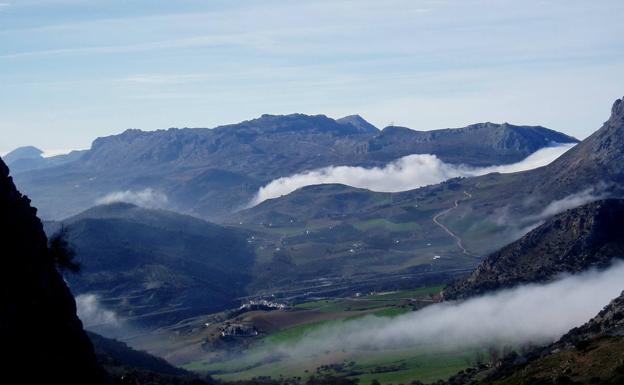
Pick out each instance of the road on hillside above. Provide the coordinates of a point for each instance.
(458, 240)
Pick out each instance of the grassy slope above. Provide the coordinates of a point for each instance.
(375, 236)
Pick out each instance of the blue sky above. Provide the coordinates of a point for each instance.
(73, 70)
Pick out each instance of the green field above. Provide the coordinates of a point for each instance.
(370, 301)
(386, 365)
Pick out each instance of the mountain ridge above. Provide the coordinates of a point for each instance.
(213, 172)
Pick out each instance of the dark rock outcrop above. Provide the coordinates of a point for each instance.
(42, 339)
(584, 237)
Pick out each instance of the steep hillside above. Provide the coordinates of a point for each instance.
(598, 159)
(580, 238)
(42, 338)
(212, 172)
(156, 266)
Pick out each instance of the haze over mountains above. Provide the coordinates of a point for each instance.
(155, 267)
(212, 172)
(228, 218)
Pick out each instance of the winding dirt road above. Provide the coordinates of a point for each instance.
(436, 220)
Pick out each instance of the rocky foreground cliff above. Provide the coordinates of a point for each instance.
(42, 339)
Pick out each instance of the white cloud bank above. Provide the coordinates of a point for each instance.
(530, 314)
(148, 198)
(404, 174)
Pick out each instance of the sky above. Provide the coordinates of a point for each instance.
(74, 70)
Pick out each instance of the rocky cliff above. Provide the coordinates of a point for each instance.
(584, 237)
(42, 338)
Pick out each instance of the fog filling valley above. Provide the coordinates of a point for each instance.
(529, 314)
(406, 173)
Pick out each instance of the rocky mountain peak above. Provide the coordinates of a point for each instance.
(617, 111)
(597, 159)
(358, 122)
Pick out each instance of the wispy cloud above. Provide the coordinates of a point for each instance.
(158, 79)
(148, 198)
(517, 226)
(571, 201)
(189, 42)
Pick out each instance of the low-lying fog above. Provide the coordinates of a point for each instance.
(529, 314)
(526, 315)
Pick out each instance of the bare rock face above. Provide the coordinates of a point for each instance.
(42, 339)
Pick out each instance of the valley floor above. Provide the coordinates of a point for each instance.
(199, 346)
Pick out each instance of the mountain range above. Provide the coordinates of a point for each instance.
(330, 232)
(159, 266)
(212, 172)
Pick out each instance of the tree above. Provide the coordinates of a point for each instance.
(61, 252)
